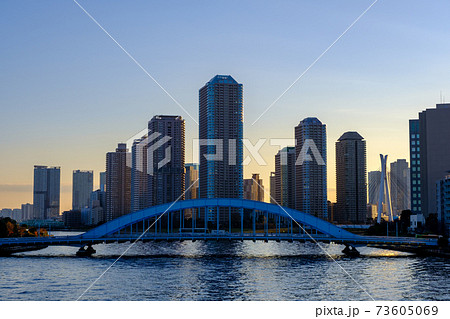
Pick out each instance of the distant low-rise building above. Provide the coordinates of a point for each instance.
(72, 219)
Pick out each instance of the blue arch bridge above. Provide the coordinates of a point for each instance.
(217, 219)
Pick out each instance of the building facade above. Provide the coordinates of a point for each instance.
(141, 182)
(46, 192)
(254, 188)
(27, 211)
(374, 187)
(102, 178)
(430, 156)
(400, 186)
(443, 203)
(273, 189)
(166, 158)
(97, 205)
(414, 155)
(220, 134)
(82, 187)
(351, 185)
(191, 180)
(118, 179)
(311, 168)
(285, 177)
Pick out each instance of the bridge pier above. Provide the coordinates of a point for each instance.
(88, 252)
(350, 251)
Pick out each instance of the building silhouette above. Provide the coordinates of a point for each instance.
(351, 185)
(46, 192)
(310, 168)
(82, 186)
(221, 126)
(430, 156)
(285, 177)
(118, 181)
(400, 186)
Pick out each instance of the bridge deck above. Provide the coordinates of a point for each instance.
(359, 240)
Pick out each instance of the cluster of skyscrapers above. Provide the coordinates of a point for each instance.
(152, 170)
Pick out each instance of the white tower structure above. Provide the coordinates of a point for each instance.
(384, 191)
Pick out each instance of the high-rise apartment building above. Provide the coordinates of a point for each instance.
(46, 192)
(118, 181)
(285, 177)
(400, 186)
(220, 134)
(82, 187)
(191, 181)
(254, 188)
(166, 158)
(311, 168)
(414, 155)
(351, 185)
(430, 155)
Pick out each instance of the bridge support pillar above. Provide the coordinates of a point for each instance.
(350, 251)
(86, 252)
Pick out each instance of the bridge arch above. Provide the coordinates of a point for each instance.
(313, 222)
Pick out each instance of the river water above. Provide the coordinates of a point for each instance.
(223, 271)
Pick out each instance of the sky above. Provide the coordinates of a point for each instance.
(69, 94)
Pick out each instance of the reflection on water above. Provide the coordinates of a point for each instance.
(222, 271)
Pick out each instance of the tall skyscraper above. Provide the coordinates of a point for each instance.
(82, 186)
(166, 158)
(254, 188)
(191, 177)
(102, 181)
(285, 177)
(311, 168)
(400, 186)
(118, 179)
(221, 133)
(414, 155)
(430, 155)
(46, 192)
(374, 187)
(351, 187)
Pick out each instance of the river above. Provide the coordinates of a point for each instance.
(223, 271)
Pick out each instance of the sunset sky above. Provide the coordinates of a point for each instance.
(69, 94)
